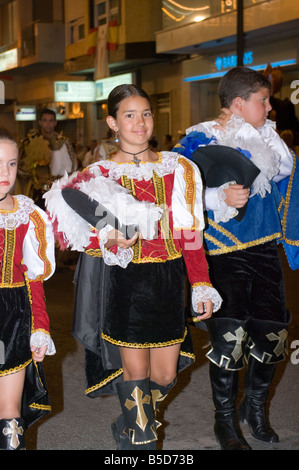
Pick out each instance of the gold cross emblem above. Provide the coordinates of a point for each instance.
(157, 398)
(14, 431)
(139, 401)
(240, 337)
(281, 338)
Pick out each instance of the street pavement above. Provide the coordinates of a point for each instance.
(81, 423)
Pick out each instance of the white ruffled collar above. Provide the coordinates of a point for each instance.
(19, 215)
(240, 134)
(165, 165)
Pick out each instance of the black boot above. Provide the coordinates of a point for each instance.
(252, 409)
(266, 346)
(159, 393)
(228, 339)
(117, 429)
(12, 434)
(224, 387)
(138, 416)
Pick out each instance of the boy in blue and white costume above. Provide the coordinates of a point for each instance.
(243, 256)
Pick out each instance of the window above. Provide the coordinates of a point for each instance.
(8, 23)
(76, 30)
(106, 11)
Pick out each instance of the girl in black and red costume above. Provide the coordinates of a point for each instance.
(26, 260)
(130, 300)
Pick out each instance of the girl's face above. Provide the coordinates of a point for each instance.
(134, 122)
(8, 166)
(256, 109)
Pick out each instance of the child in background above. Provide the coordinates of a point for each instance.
(26, 260)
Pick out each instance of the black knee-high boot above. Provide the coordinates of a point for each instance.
(266, 346)
(159, 393)
(138, 415)
(252, 409)
(228, 338)
(12, 434)
(225, 387)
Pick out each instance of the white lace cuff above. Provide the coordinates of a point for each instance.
(225, 212)
(203, 294)
(40, 339)
(122, 257)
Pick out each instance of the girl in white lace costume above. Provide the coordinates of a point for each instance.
(26, 260)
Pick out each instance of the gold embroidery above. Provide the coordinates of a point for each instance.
(8, 257)
(36, 406)
(95, 253)
(30, 299)
(40, 231)
(104, 382)
(143, 345)
(242, 246)
(14, 369)
(222, 230)
(159, 185)
(202, 284)
(287, 202)
(190, 191)
(13, 285)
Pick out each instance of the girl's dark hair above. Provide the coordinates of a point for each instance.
(240, 81)
(120, 93)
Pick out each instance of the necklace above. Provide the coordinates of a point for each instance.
(4, 197)
(135, 159)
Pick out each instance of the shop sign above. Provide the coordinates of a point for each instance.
(70, 92)
(9, 60)
(104, 86)
(230, 61)
(25, 113)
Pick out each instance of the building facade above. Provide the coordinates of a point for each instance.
(68, 54)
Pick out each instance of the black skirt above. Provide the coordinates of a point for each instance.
(15, 352)
(15, 321)
(142, 306)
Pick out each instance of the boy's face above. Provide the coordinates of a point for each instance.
(256, 109)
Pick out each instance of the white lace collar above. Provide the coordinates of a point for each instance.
(240, 134)
(165, 165)
(20, 214)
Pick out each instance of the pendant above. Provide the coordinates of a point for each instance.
(136, 160)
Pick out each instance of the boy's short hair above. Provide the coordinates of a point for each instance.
(240, 81)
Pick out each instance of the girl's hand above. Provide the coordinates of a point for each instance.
(205, 309)
(116, 238)
(236, 196)
(38, 353)
(223, 118)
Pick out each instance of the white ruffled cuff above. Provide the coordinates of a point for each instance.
(203, 294)
(122, 257)
(225, 212)
(39, 339)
